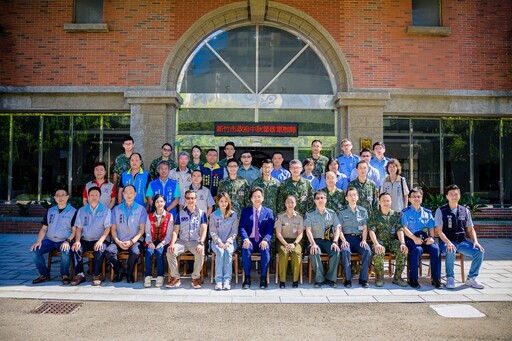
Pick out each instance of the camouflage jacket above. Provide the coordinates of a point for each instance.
(302, 190)
(385, 226)
(152, 168)
(335, 200)
(238, 191)
(368, 194)
(320, 165)
(270, 188)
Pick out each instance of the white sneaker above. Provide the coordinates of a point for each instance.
(227, 285)
(147, 281)
(450, 283)
(218, 286)
(159, 281)
(472, 282)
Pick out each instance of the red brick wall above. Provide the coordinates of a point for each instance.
(36, 50)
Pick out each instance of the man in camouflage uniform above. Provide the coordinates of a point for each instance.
(237, 188)
(166, 155)
(122, 161)
(335, 196)
(269, 185)
(366, 188)
(297, 186)
(320, 160)
(229, 150)
(387, 234)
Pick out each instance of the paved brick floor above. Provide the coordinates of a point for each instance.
(17, 272)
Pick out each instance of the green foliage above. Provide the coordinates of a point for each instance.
(434, 201)
(76, 202)
(24, 208)
(47, 204)
(473, 203)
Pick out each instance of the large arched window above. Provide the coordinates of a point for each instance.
(256, 74)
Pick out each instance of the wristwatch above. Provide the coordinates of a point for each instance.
(68, 240)
(201, 243)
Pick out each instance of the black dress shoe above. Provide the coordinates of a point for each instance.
(130, 279)
(263, 283)
(282, 285)
(295, 284)
(414, 284)
(247, 283)
(318, 284)
(119, 277)
(347, 283)
(363, 283)
(436, 283)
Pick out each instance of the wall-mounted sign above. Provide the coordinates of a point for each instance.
(256, 129)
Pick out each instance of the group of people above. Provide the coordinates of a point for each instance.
(331, 206)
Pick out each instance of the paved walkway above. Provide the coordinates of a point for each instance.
(17, 272)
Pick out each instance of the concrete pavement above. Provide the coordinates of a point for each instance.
(17, 272)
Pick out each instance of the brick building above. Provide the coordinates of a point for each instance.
(433, 79)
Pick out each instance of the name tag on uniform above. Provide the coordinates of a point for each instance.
(360, 228)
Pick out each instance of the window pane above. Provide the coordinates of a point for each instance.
(506, 147)
(396, 138)
(426, 148)
(86, 149)
(237, 47)
(456, 153)
(208, 74)
(25, 157)
(276, 49)
(311, 122)
(5, 122)
(55, 154)
(115, 128)
(425, 13)
(487, 158)
(307, 66)
(88, 11)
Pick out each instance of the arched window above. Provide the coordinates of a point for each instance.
(256, 74)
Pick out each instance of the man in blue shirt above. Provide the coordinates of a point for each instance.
(379, 161)
(347, 160)
(247, 170)
(137, 177)
(166, 186)
(92, 226)
(278, 172)
(56, 234)
(416, 219)
(128, 227)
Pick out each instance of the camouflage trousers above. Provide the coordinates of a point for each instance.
(392, 246)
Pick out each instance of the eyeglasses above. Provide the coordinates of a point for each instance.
(416, 197)
(167, 150)
(246, 157)
(190, 198)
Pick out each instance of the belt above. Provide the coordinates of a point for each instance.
(352, 234)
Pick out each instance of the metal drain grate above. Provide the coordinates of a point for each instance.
(59, 308)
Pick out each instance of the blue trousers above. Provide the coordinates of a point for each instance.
(46, 247)
(465, 248)
(98, 257)
(223, 262)
(246, 258)
(159, 259)
(366, 257)
(133, 255)
(415, 253)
